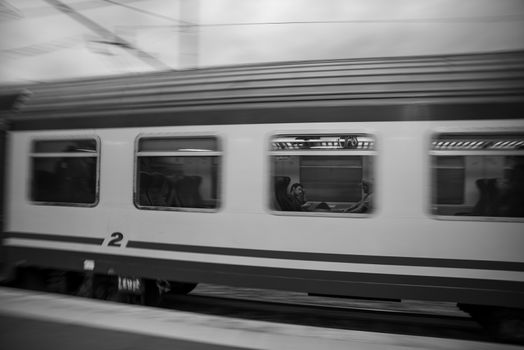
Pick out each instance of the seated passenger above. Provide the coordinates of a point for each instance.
(298, 197)
(488, 194)
(159, 190)
(365, 204)
(511, 198)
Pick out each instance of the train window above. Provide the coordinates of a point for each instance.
(64, 172)
(177, 172)
(323, 173)
(478, 175)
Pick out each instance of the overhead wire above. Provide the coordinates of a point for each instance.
(8, 11)
(45, 11)
(477, 19)
(44, 47)
(149, 13)
(110, 37)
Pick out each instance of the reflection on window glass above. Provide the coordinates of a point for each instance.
(478, 175)
(64, 171)
(323, 173)
(177, 172)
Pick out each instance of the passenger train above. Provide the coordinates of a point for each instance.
(411, 171)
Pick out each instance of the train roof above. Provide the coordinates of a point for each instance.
(489, 85)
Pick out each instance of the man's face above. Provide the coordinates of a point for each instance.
(299, 192)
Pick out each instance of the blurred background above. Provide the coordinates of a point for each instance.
(45, 40)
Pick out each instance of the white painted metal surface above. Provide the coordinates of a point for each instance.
(400, 226)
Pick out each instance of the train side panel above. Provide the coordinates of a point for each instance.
(400, 250)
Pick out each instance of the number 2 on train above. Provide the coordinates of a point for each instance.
(116, 240)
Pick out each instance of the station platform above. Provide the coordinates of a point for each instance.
(32, 320)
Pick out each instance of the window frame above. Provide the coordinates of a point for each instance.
(219, 153)
(340, 152)
(474, 151)
(33, 155)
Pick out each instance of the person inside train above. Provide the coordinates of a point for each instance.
(365, 204)
(74, 179)
(298, 197)
(511, 197)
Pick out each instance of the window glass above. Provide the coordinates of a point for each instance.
(177, 172)
(64, 172)
(450, 179)
(478, 175)
(196, 144)
(323, 173)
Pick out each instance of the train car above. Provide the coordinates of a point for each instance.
(396, 178)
